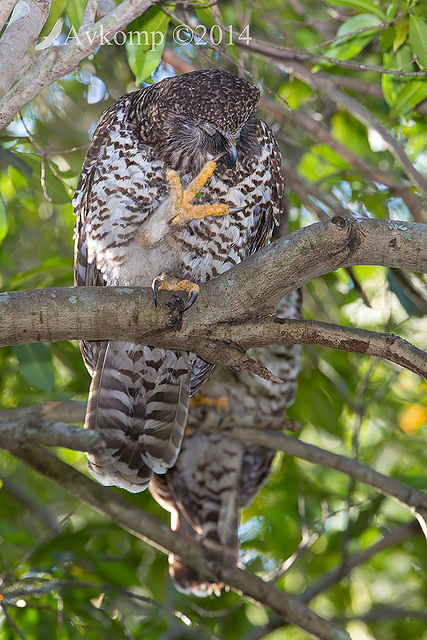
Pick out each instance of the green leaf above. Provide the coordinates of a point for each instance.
(12, 159)
(387, 37)
(418, 39)
(392, 9)
(361, 21)
(350, 132)
(205, 14)
(349, 47)
(400, 285)
(4, 222)
(392, 85)
(75, 12)
(402, 29)
(145, 43)
(56, 189)
(364, 5)
(56, 10)
(294, 93)
(36, 365)
(414, 92)
(388, 89)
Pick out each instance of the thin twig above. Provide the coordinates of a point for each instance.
(291, 55)
(9, 620)
(391, 539)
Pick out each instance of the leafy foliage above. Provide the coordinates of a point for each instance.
(68, 572)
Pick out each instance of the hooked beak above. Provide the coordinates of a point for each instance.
(230, 157)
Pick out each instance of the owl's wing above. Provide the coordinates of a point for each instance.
(271, 203)
(85, 273)
(139, 396)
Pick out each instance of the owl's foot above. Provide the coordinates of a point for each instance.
(189, 287)
(183, 210)
(221, 404)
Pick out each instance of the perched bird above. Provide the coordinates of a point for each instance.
(215, 476)
(181, 182)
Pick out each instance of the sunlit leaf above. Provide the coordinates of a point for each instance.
(348, 47)
(418, 39)
(393, 85)
(205, 14)
(56, 11)
(413, 418)
(392, 9)
(401, 28)
(75, 11)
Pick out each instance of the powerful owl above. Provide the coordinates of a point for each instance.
(181, 182)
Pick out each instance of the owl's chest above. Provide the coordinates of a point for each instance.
(196, 250)
(130, 236)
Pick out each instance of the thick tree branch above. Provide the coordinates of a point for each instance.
(19, 36)
(6, 8)
(48, 432)
(249, 294)
(158, 535)
(55, 62)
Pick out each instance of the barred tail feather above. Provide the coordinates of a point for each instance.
(185, 578)
(202, 494)
(138, 401)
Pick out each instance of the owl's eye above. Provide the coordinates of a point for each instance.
(208, 129)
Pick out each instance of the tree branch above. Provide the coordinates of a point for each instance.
(249, 295)
(6, 8)
(14, 435)
(55, 62)
(329, 579)
(391, 487)
(158, 535)
(292, 61)
(19, 36)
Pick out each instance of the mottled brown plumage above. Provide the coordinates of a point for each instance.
(139, 395)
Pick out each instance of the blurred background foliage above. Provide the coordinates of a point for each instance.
(344, 71)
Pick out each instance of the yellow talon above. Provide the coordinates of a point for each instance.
(189, 287)
(181, 205)
(221, 404)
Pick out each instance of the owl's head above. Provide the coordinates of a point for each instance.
(193, 117)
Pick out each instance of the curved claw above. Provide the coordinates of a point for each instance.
(161, 282)
(191, 298)
(219, 156)
(155, 285)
